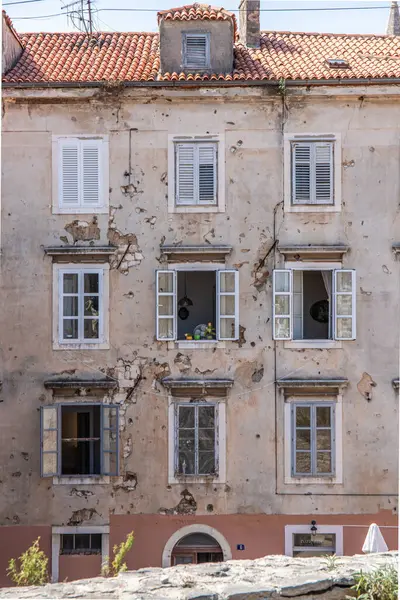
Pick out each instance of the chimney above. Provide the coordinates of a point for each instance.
(249, 23)
(393, 27)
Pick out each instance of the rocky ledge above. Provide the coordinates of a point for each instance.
(270, 577)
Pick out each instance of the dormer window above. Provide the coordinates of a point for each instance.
(195, 50)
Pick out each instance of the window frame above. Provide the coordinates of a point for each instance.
(102, 343)
(336, 530)
(290, 476)
(195, 405)
(335, 139)
(192, 34)
(219, 206)
(85, 551)
(104, 176)
(220, 440)
(313, 405)
(56, 533)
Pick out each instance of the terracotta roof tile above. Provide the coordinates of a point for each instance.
(197, 11)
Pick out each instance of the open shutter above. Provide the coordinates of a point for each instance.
(166, 305)
(185, 173)
(228, 305)
(323, 172)
(49, 450)
(68, 169)
(282, 307)
(207, 173)
(301, 173)
(109, 440)
(91, 172)
(345, 304)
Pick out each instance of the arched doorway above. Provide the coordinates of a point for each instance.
(180, 545)
(196, 548)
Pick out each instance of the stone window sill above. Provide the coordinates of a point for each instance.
(76, 480)
(317, 344)
(195, 344)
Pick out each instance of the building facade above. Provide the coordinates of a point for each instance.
(199, 291)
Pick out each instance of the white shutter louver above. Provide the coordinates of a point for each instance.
(90, 173)
(207, 174)
(323, 173)
(196, 51)
(312, 173)
(185, 172)
(69, 174)
(301, 173)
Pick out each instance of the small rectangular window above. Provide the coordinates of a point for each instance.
(307, 544)
(195, 441)
(313, 439)
(80, 543)
(196, 50)
(196, 173)
(312, 172)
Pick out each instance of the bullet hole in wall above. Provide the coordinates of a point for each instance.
(210, 508)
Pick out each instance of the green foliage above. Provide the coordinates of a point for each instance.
(282, 87)
(379, 584)
(30, 568)
(118, 564)
(331, 561)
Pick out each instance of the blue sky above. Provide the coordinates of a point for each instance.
(347, 21)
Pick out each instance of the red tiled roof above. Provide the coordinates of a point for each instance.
(74, 57)
(195, 12)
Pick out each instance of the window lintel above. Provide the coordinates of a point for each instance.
(200, 253)
(197, 387)
(77, 254)
(309, 252)
(77, 384)
(312, 386)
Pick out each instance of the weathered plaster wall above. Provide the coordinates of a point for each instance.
(138, 127)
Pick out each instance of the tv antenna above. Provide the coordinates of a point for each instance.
(80, 15)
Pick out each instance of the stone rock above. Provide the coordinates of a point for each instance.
(271, 577)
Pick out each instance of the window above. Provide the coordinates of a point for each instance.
(196, 50)
(300, 541)
(314, 304)
(197, 305)
(81, 174)
(80, 543)
(313, 439)
(312, 172)
(80, 306)
(196, 548)
(196, 173)
(79, 440)
(196, 443)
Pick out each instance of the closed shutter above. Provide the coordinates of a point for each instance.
(185, 174)
(301, 180)
(90, 160)
(207, 173)
(69, 173)
(196, 51)
(323, 173)
(312, 173)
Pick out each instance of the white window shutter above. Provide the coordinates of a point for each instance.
(228, 304)
(166, 305)
(69, 173)
(345, 304)
(301, 173)
(49, 433)
(282, 304)
(91, 172)
(207, 161)
(323, 172)
(196, 51)
(185, 173)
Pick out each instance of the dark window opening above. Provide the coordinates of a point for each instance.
(312, 316)
(80, 543)
(197, 548)
(196, 308)
(80, 440)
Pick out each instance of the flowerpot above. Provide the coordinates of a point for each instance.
(196, 337)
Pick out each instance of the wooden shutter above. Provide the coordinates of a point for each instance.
(312, 173)
(185, 173)
(301, 173)
(228, 304)
(166, 305)
(49, 441)
(196, 51)
(91, 172)
(109, 440)
(207, 173)
(345, 304)
(282, 306)
(69, 173)
(323, 172)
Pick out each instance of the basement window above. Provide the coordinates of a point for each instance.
(80, 543)
(306, 545)
(198, 306)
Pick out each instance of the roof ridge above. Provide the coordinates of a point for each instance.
(319, 33)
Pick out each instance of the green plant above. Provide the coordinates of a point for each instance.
(209, 331)
(330, 561)
(282, 87)
(118, 564)
(379, 584)
(30, 568)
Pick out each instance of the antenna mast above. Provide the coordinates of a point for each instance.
(80, 15)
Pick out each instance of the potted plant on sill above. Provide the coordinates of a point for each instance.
(209, 333)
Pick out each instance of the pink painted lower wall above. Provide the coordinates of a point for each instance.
(15, 539)
(260, 534)
(79, 567)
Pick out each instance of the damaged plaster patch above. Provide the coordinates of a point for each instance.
(257, 375)
(365, 386)
(83, 231)
(127, 449)
(81, 515)
(129, 482)
(128, 254)
(242, 340)
(81, 493)
(186, 506)
(182, 362)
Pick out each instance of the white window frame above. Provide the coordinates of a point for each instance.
(103, 343)
(219, 341)
(103, 206)
(335, 138)
(56, 533)
(219, 207)
(337, 454)
(220, 446)
(328, 343)
(191, 34)
(337, 530)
